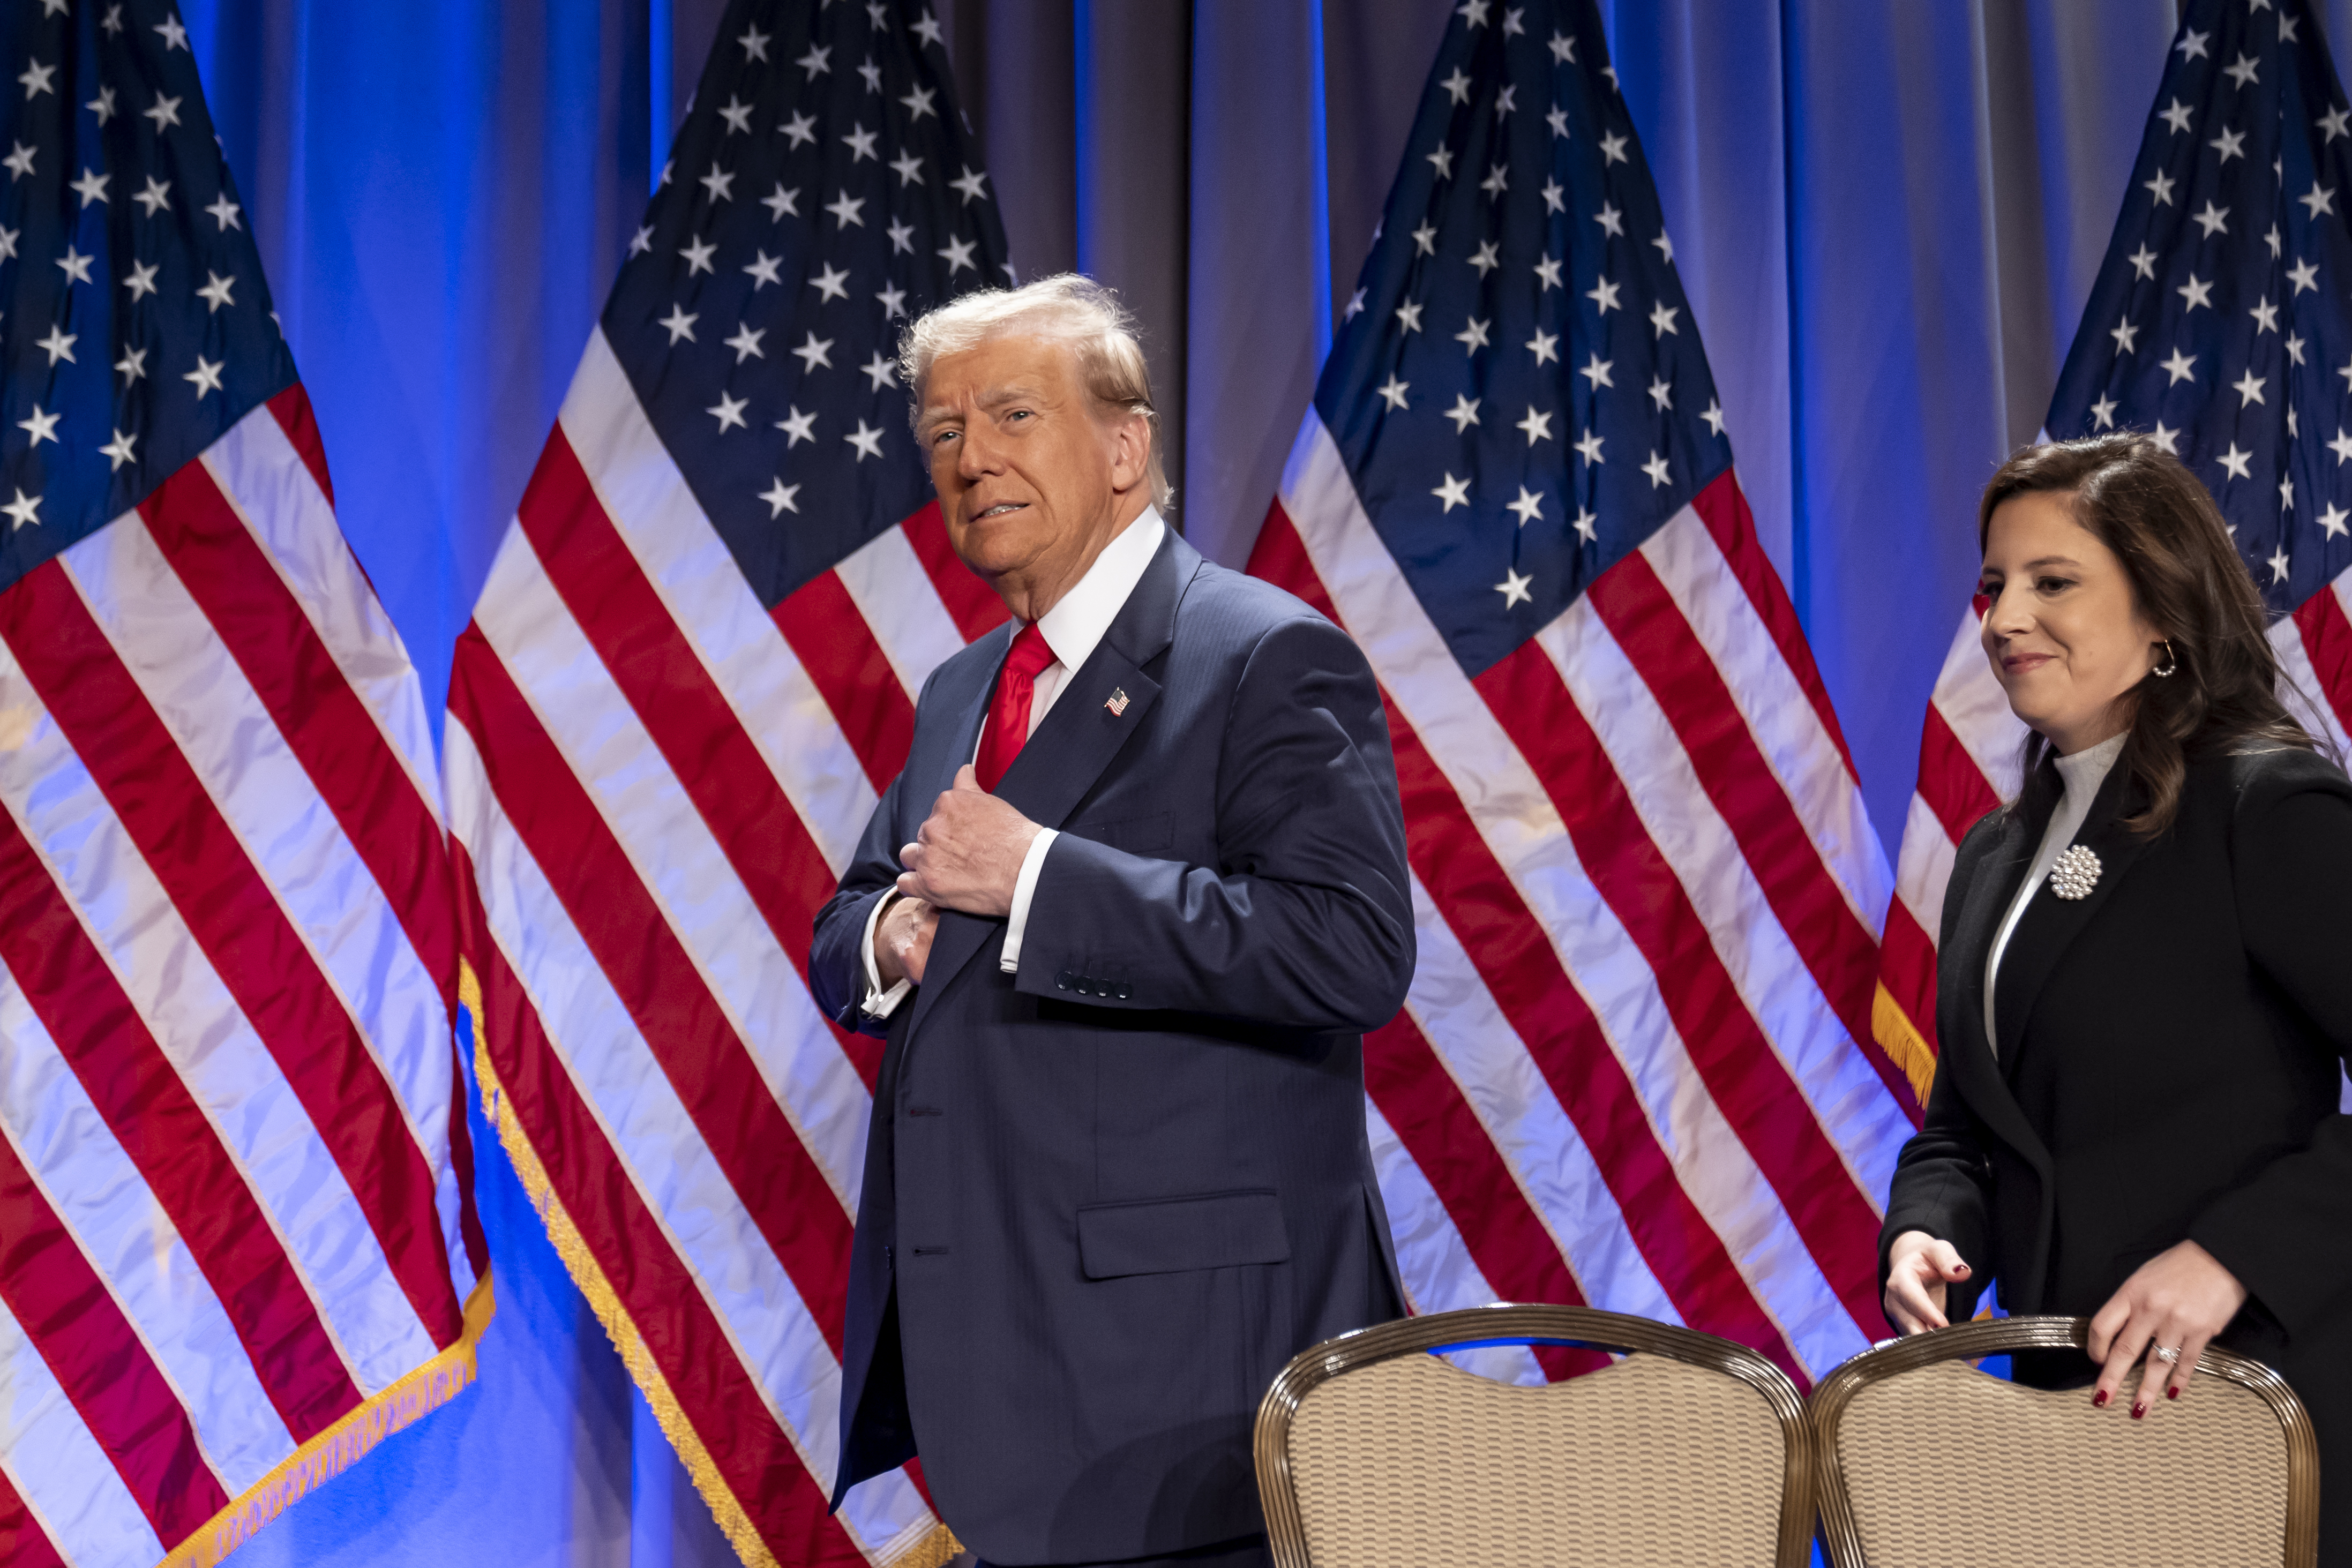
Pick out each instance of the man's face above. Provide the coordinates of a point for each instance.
(1029, 478)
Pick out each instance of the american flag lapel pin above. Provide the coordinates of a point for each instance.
(1118, 702)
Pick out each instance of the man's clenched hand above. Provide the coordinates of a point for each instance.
(967, 855)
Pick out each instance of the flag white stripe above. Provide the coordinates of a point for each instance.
(1786, 728)
(680, 864)
(714, 608)
(206, 1037)
(102, 1199)
(1431, 1255)
(1795, 1017)
(654, 1140)
(1977, 710)
(2300, 687)
(1927, 856)
(886, 582)
(57, 1467)
(1516, 1108)
(272, 491)
(224, 731)
(1516, 817)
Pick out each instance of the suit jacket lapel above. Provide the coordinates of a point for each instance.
(1089, 724)
(1966, 1054)
(958, 936)
(1068, 751)
(2050, 924)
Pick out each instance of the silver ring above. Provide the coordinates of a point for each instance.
(2167, 1354)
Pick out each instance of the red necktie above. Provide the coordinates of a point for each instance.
(1008, 712)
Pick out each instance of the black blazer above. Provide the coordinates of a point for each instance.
(1105, 1198)
(2171, 1049)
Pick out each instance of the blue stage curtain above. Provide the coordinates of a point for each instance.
(1887, 214)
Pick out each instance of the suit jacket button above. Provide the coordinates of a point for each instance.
(1062, 981)
(1125, 991)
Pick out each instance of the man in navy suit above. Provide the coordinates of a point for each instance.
(1123, 919)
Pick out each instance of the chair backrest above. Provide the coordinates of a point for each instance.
(1927, 1461)
(1373, 1453)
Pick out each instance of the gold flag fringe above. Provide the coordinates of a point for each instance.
(338, 1448)
(931, 1549)
(1901, 1041)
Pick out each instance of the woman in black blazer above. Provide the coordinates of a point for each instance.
(2145, 987)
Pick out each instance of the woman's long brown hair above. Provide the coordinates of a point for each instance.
(2187, 580)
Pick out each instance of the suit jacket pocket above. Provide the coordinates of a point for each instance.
(1168, 1235)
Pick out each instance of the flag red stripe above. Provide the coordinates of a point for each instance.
(732, 1108)
(2328, 640)
(837, 649)
(653, 1285)
(1951, 783)
(688, 719)
(1836, 946)
(323, 719)
(1424, 1106)
(97, 1359)
(461, 1164)
(1724, 509)
(1506, 943)
(971, 603)
(229, 909)
(1909, 970)
(143, 1101)
(291, 410)
(1744, 1076)
(1280, 558)
(22, 1543)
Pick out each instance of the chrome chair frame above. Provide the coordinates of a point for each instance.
(1999, 1337)
(1507, 1323)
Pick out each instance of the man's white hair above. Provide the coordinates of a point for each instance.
(1067, 309)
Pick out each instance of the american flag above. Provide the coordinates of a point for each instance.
(237, 1246)
(2219, 325)
(691, 673)
(1634, 1069)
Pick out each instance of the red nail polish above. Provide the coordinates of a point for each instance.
(2099, 1400)
(2172, 1394)
(2138, 1411)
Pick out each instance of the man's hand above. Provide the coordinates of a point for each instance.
(967, 856)
(1918, 1268)
(902, 941)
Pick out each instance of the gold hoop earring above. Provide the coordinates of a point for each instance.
(2171, 662)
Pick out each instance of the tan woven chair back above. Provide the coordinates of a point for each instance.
(1398, 1459)
(1932, 1462)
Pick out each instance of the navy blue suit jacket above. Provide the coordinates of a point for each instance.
(1107, 1198)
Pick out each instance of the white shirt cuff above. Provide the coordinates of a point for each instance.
(878, 1003)
(1024, 888)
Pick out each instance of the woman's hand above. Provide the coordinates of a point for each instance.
(1918, 1268)
(2177, 1300)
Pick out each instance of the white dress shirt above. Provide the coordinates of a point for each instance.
(2084, 773)
(1071, 629)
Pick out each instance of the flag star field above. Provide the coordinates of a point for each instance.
(2218, 323)
(1518, 381)
(135, 326)
(829, 196)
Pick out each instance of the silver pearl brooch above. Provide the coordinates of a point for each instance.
(2075, 873)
